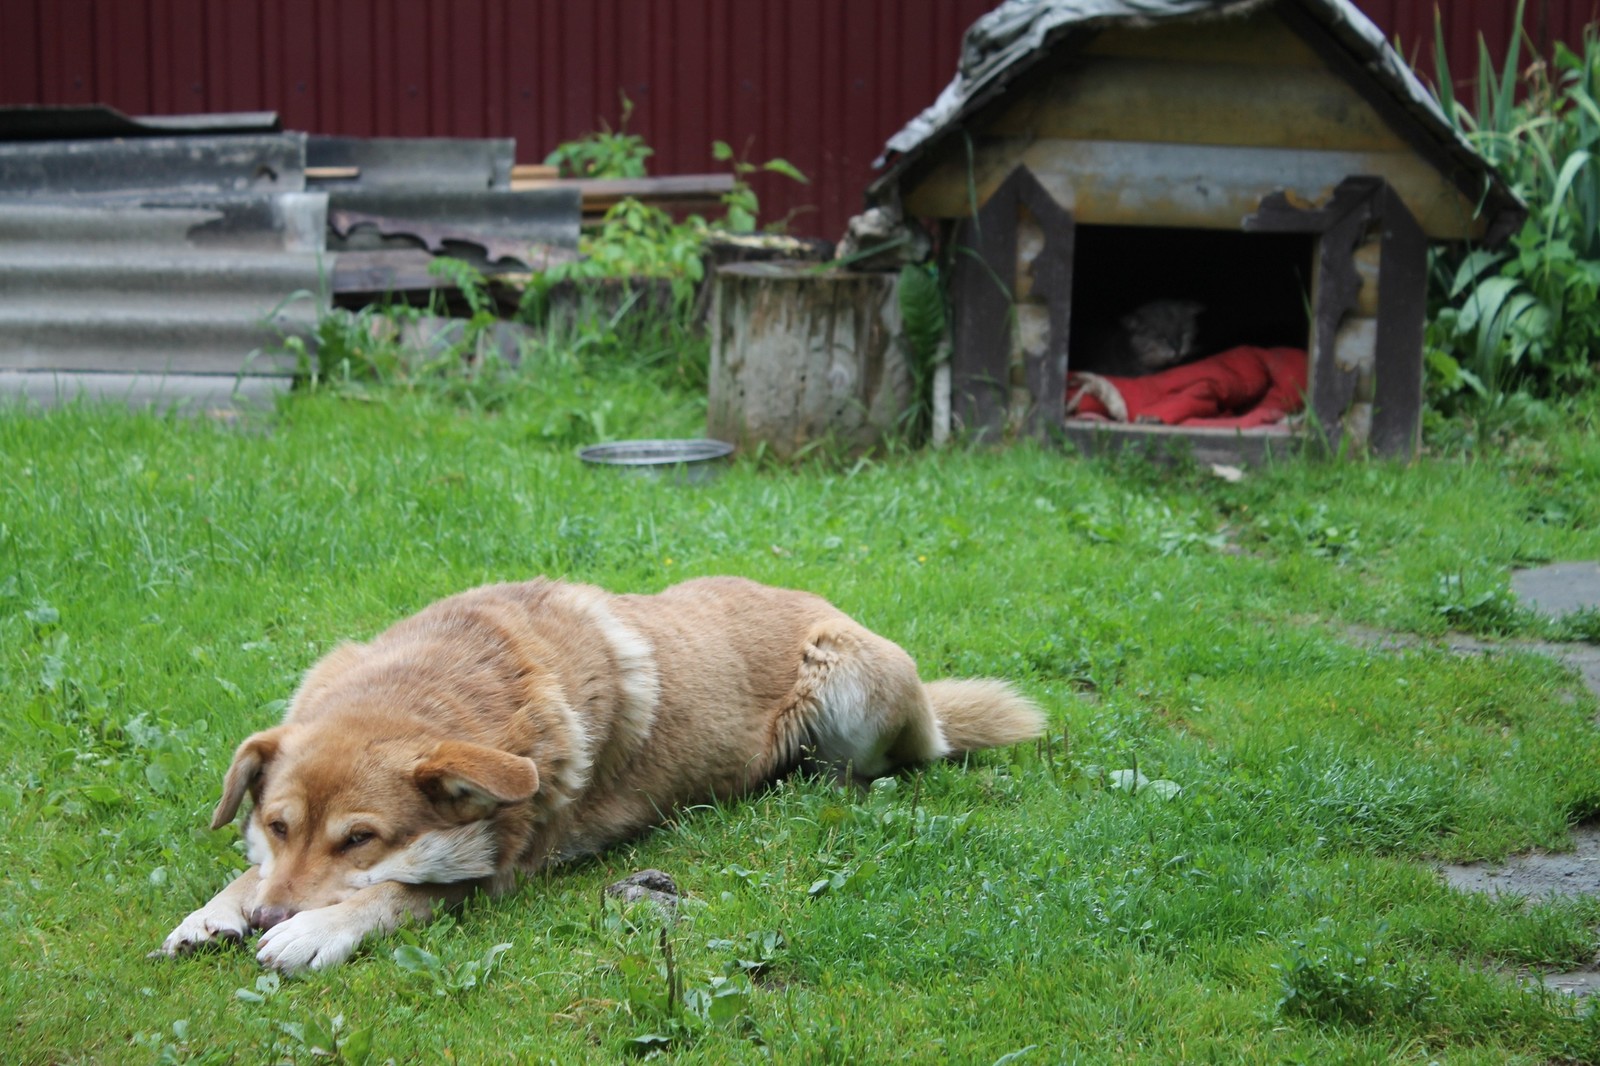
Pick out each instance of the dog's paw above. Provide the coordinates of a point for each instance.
(311, 940)
(213, 924)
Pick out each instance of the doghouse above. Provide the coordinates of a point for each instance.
(1272, 164)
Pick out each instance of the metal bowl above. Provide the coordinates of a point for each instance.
(685, 460)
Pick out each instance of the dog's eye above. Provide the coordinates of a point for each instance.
(355, 840)
(279, 830)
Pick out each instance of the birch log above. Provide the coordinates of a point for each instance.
(799, 356)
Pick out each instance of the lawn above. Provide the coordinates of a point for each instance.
(1221, 855)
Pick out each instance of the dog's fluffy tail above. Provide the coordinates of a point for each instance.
(982, 713)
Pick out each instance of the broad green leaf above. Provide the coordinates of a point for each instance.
(787, 169)
(922, 314)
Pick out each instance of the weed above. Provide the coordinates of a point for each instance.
(607, 153)
(740, 202)
(319, 1038)
(1476, 606)
(1327, 979)
(678, 1012)
(445, 980)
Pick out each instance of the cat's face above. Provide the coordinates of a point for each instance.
(1163, 332)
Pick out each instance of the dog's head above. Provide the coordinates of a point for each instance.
(335, 812)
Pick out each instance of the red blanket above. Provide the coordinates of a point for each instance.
(1241, 387)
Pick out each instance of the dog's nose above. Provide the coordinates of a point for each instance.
(267, 917)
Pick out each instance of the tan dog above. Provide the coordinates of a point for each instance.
(515, 725)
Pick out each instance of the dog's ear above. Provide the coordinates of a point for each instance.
(470, 781)
(248, 762)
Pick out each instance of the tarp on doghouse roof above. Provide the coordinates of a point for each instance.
(1013, 38)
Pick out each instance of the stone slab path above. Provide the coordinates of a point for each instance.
(1553, 591)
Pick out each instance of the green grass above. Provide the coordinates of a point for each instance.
(164, 582)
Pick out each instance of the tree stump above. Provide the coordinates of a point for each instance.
(799, 356)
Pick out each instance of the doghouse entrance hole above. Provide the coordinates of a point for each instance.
(1255, 288)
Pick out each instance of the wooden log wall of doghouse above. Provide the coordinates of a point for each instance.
(1371, 256)
(1011, 286)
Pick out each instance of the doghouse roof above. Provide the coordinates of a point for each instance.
(1019, 38)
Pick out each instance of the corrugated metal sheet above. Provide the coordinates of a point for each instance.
(157, 270)
(822, 84)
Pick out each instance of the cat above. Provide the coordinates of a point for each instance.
(1153, 336)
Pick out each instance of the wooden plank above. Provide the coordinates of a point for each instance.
(1402, 294)
(392, 271)
(1238, 447)
(1467, 176)
(1332, 385)
(1355, 349)
(982, 284)
(999, 281)
(1138, 183)
(675, 190)
(1367, 261)
(1355, 345)
(1257, 39)
(1046, 262)
(533, 172)
(1184, 102)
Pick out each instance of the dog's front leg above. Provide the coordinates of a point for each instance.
(225, 918)
(326, 936)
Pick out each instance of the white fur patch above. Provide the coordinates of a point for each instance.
(316, 939)
(846, 728)
(1097, 386)
(635, 657)
(256, 848)
(440, 857)
(565, 781)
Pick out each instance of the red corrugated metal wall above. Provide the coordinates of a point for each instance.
(821, 83)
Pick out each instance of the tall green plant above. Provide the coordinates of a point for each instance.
(1524, 317)
(607, 153)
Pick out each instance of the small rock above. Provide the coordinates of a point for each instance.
(653, 885)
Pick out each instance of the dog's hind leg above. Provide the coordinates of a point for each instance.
(857, 707)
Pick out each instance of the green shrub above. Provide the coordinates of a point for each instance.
(1328, 980)
(607, 153)
(1524, 317)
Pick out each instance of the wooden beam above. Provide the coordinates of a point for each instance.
(1184, 185)
(533, 172)
(1403, 298)
(986, 288)
(1184, 102)
(601, 194)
